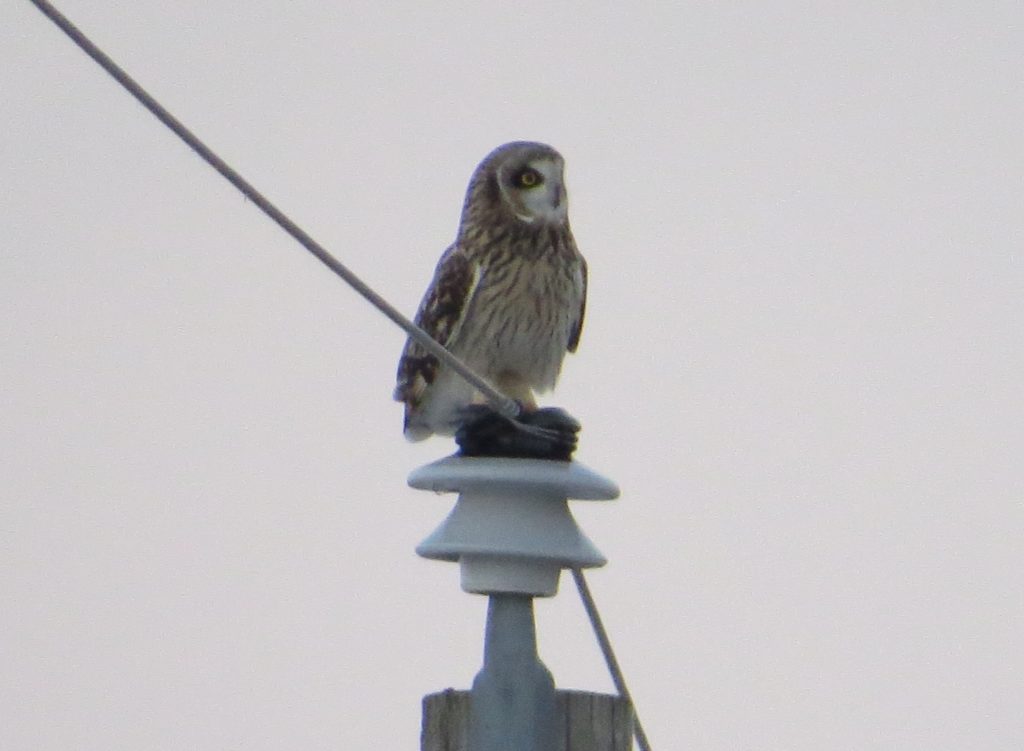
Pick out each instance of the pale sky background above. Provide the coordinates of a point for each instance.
(802, 364)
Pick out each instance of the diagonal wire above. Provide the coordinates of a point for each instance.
(609, 655)
(503, 404)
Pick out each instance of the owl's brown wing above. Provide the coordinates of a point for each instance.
(577, 329)
(440, 314)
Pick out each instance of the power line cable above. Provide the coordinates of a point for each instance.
(504, 405)
(609, 655)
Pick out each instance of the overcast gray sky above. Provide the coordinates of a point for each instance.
(801, 363)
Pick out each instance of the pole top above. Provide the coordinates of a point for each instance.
(511, 530)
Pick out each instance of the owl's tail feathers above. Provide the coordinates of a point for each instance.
(416, 424)
(415, 430)
(434, 408)
(424, 420)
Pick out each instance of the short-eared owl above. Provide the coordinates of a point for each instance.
(507, 297)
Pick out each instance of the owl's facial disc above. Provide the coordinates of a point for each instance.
(536, 192)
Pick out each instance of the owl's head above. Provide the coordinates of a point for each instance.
(524, 181)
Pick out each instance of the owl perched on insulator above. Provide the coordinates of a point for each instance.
(507, 297)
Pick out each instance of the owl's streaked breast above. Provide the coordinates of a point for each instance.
(520, 320)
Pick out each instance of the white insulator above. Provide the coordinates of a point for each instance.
(511, 529)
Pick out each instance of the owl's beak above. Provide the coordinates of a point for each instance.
(559, 194)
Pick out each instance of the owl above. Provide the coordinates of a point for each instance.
(507, 297)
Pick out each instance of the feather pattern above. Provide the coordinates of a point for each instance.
(508, 298)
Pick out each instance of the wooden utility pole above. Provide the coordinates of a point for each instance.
(586, 722)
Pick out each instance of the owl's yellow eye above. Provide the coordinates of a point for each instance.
(529, 178)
